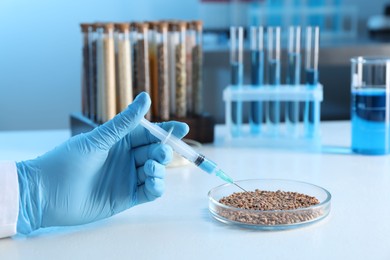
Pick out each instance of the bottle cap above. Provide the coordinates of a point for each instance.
(84, 27)
(182, 24)
(133, 26)
(142, 27)
(152, 25)
(108, 26)
(198, 25)
(172, 25)
(96, 25)
(162, 27)
(122, 27)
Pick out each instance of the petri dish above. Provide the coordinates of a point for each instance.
(269, 219)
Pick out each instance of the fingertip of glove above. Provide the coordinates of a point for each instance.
(155, 187)
(154, 169)
(163, 153)
(143, 98)
(185, 128)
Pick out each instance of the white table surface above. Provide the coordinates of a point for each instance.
(179, 226)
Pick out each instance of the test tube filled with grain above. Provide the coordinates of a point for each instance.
(109, 72)
(190, 43)
(162, 65)
(85, 85)
(197, 63)
(124, 71)
(153, 68)
(93, 73)
(133, 50)
(143, 72)
(100, 101)
(173, 39)
(180, 73)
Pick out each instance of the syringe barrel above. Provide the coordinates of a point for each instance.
(177, 144)
(182, 148)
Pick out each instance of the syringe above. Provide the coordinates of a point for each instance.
(187, 151)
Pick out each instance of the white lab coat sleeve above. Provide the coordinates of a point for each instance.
(9, 199)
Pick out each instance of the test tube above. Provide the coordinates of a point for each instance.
(100, 102)
(197, 61)
(109, 72)
(312, 109)
(153, 68)
(257, 76)
(273, 58)
(124, 77)
(93, 72)
(180, 73)
(293, 77)
(190, 43)
(173, 39)
(237, 74)
(162, 66)
(133, 50)
(143, 72)
(86, 82)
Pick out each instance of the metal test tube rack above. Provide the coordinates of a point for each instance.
(283, 94)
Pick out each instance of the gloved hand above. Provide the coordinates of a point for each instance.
(95, 175)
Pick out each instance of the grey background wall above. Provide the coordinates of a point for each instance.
(40, 51)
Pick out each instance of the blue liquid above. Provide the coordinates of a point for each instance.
(236, 73)
(370, 128)
(293, 68)
(293, 78)
(273, 115)
(311, 113)
(257, 67)
(208, 166)
(311, 77)
(274, 72)
(257, 79)
(211, 167)
(237, 79)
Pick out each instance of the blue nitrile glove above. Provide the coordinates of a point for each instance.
(95, 175)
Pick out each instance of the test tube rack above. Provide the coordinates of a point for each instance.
(282, 136)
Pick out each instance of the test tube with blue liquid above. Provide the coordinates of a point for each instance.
(312, 108)
(257, 76)
(293, 77)
(370, 105)
(273, 73)
(237, 74)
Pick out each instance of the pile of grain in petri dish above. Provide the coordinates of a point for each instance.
(270, 207)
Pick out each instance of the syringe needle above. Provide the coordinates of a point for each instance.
(221, 174)
(240, 187)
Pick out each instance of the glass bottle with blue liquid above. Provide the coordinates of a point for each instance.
(370, 105)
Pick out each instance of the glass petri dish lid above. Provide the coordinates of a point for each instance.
(269, 219)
